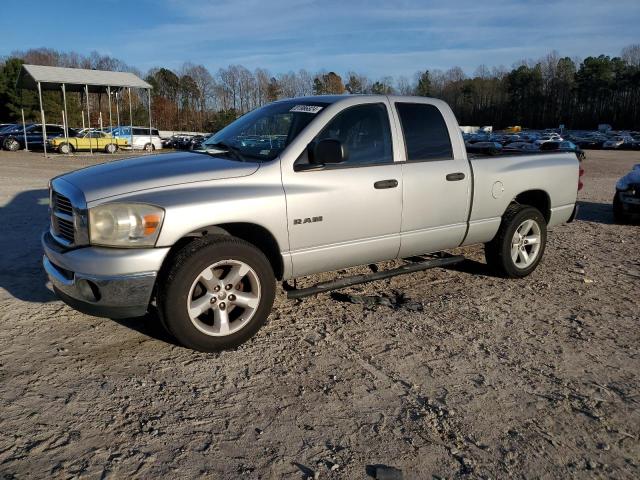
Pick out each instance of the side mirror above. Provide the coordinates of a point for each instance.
(328, 151)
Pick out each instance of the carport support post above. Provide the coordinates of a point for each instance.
(86, 94)
(110, 119)
(44, 127)
(130, 118)
(150, 135)
(66, 116)
(117, 109)
(24, 132)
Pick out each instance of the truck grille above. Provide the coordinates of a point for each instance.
(62, 226)
(62, 204)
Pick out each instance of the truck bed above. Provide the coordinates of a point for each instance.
(499, 179)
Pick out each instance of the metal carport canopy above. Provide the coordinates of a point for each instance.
(41, 77)
(75, 79)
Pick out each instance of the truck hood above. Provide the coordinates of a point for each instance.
(154, 171)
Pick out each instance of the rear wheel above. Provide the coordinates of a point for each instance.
(217, 293)
(111, 148)
(520, 242)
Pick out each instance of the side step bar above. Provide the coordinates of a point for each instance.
(415, 266)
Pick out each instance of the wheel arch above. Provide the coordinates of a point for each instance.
(535, 198)
(255, 234)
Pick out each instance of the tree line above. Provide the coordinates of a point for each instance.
(533, 93)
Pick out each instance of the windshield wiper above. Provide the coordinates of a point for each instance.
(231, 149)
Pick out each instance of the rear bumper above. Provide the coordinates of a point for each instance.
(112, 294)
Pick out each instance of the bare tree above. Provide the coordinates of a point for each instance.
(631, 54)
(304, 82)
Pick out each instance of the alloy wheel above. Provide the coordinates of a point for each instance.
(525, 244)
(223, 298)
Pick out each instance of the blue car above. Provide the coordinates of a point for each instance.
(13, 138)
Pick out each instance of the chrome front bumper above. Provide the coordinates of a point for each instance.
(112, 293)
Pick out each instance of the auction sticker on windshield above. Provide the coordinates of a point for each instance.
(306, 109)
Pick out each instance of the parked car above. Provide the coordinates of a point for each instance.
(521, 147)
(197, 141)
(170, 142)
(529, 136)
(564, 146)
(626, 201)
(478, 137)
(13, 138)
(87, 140)
(487, 148)
(616, 143)
(183, 142)
(204, 235)
(506, 139)
(589, 143)
(552, 137)
(141, 139)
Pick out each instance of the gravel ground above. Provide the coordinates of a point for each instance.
(443, 374)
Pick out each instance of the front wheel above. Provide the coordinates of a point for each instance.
(217, 293)
(519, 244)
(149, 147)
(12, 144)
(65, 148)
(111, 148)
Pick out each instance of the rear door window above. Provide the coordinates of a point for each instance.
(425, 132)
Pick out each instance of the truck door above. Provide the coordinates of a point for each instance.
(346, 214)
(437, 180)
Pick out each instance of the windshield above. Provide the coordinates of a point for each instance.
(265, 132)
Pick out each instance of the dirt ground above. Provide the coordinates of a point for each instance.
(443, 374)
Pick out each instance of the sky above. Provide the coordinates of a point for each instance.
(377, 38)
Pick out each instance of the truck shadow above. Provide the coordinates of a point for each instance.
(23, 220)
(149, 325)
(473, 267)
(595, 212)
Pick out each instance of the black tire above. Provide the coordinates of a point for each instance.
(498, 251)
(149, 147)
(12, 145)
(619, 215)
(174, 288)
(111, 148)
(62, 148)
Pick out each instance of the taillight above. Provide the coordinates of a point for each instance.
(580, 174)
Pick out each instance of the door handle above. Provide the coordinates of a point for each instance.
(380, 184)
(454, 177)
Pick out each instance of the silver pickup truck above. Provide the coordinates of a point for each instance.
(296, 187)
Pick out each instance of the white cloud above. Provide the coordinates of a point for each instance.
(378, 38)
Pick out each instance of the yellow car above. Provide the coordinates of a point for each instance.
(87, 140)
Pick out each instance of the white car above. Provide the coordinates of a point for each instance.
(141, 138)
(553, 137)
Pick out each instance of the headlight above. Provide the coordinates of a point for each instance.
(125, 224)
